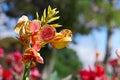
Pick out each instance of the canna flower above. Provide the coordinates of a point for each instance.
(37, 33)
(62, 39)
(47, 33)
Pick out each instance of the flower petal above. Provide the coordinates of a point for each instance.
(39, 59)
(21, 22)
(37, 46)
(23, 19)
(62, 39)
(34, 26)
(47, 33)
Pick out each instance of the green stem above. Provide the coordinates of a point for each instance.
(26, 73)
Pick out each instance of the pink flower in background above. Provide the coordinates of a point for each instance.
(1, 52)
(18, 68)
(9, 59)
(118, 52)
(14, 58)
(34, 73)
(1, 71)
(14, 68)
(17, 56)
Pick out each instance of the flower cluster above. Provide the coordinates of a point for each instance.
(37, 33)
(11, 67)
(97, 74)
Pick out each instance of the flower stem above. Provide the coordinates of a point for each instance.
(27, 71)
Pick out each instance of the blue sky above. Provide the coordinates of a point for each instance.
(95, 41)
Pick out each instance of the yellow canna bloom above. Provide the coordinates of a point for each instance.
(62, 39)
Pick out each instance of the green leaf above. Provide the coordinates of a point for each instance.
(49, 9)
(37, 16)
(44, 15)
(49, 16)
(53, 19)
(56, 25)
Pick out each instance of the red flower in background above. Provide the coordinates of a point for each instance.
(7, 74)
(113, 62)
(99, 70)
(97, 74)
(85, 75)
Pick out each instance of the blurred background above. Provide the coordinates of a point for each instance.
(95, 26)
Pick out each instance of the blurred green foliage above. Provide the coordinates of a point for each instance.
(67, 62)
(10, 44)
(69, 14)
(94, 12)
(53, 76)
